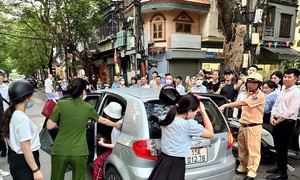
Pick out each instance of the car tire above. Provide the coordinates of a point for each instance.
(112, 174)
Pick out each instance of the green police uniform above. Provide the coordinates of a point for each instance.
(70, 145)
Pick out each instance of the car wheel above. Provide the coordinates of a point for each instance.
(112, 174)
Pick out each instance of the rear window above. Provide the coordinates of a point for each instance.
(157, 112)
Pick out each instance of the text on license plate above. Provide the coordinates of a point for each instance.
(197, 155)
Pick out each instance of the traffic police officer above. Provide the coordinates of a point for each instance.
(249, 137)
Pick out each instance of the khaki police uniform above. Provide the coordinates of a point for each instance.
(249, 137)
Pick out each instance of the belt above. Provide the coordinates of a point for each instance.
(249, 125)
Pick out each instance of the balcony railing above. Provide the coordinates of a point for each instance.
(269, 31)
(105, 31)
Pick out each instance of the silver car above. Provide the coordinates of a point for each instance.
(138, 146)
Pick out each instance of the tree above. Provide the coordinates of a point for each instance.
(59, 23)
(234, 32)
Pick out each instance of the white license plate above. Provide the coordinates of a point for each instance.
(197, 155)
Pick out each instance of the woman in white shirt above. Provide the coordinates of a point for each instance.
(178, 128)
(22, 133)
(276, 77)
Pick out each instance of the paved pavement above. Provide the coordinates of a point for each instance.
(35, 114)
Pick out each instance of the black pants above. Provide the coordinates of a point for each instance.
(282, 133)
(19, 169)
(2, 145)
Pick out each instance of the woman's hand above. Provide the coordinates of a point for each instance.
(118, 126)
(38, 175)
(101, 142)
(201, 108)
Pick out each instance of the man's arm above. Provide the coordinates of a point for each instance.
(233, 105)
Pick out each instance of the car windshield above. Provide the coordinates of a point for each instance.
(157, 112)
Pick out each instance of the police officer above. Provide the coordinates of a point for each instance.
(249, 137)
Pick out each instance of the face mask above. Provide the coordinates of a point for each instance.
(193, 81)
(30, 104)
(168, 81)
(199, 82)
(122, 82)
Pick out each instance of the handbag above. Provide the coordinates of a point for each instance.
(46, 140)
(48, 108)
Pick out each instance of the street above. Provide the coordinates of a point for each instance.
(35, 115)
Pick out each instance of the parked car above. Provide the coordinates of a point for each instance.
(138, 146)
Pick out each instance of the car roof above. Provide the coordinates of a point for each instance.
(145, 94)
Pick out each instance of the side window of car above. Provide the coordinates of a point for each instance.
(156, 112)
(214, 115)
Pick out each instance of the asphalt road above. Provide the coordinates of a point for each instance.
(35, 114)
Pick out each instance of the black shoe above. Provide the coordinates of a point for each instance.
(277, 175)
(3, 153)
(275, 170)
(249, 178)
(238, 172)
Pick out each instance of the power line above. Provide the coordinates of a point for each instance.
(27, 37)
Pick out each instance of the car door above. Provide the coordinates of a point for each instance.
(95, 100)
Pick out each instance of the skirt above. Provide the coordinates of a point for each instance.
(168, 168)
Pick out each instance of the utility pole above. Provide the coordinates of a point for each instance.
(138, 35)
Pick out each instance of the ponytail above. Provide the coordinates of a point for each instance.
(187, 102)
(6, 120)
(170, 117)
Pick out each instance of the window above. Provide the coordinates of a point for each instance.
(183, 23)
(158, 27)
(183, 27)
(158, 30)
(285, 25)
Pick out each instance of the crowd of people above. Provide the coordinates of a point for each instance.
(275, 101)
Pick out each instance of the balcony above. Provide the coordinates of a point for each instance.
(184, 41)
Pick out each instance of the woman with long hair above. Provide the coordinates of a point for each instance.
(277, 77)
(178, 128)
(70, 146)
(22, 133)
(268, 89)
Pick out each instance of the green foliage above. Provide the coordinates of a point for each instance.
(28, 29)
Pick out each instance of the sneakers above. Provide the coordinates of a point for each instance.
(3, 173)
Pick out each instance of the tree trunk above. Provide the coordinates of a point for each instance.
(233, 50)
(50, 62)
(234, 32)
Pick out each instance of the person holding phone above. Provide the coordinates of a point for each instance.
(213, 86)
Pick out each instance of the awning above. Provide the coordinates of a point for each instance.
(278, 53)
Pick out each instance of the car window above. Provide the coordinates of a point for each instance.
(157, 112)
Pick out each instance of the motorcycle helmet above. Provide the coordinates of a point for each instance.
(255, 77)
(19, 89)
(2, 72)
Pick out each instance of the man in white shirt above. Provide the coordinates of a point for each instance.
(48, 86)
(4, 94)
(153, 81)
(179, 87)
(144, 83)
(283, 118)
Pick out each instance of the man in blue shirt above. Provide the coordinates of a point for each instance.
(116, 82)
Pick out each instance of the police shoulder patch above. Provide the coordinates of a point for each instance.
(254, 97)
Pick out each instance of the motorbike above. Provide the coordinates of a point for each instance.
(267, 141)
